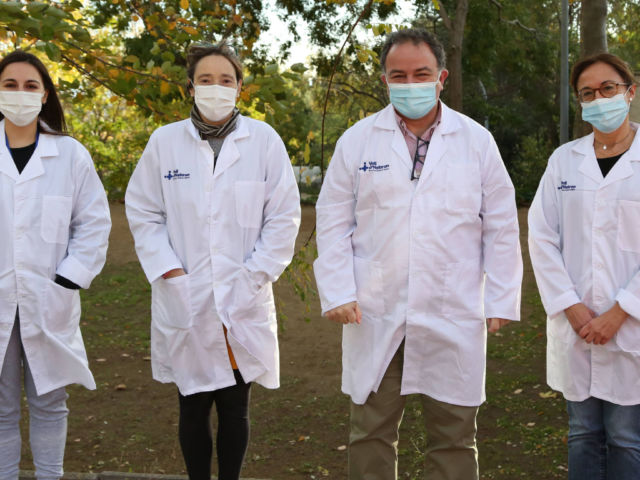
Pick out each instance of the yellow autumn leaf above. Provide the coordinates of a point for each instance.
(549, 394)
(436, 4)
(164, 88)
(190, 30)
(184, 4)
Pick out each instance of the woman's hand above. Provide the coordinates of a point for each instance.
(176, 272)
(602, 329)
(579, 315)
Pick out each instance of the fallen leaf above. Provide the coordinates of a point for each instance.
(549, 394)
(121, 386)
(341, 448)
(517, 391)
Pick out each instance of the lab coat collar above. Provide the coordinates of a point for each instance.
(229, 153)
(34, 168)
(621, 170)
(449, 123)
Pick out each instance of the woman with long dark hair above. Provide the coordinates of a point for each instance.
(55, 223)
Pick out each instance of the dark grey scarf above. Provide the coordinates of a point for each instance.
(208, 131)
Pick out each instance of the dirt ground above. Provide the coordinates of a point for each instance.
(298, 431)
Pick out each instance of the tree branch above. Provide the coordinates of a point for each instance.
(121, 67)
(445, 17)
(515, 22)
(355, 90)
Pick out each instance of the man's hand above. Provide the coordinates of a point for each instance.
(602, 329)
(347, 313)
(579, 315)
(496, 324)
(176, 272)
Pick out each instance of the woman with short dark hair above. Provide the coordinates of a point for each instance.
(584, 241)
(214, 210)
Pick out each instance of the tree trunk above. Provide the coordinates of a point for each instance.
(455, 28)
(593, 39)
(593, 27)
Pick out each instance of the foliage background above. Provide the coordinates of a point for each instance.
(120, 67)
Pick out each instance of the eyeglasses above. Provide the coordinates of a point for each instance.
(418, 158)
(607, 89)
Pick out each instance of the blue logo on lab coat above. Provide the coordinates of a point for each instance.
(373, 167)
(565, 187)
(175, 174)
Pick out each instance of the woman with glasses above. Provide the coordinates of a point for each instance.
(584, 241)
(214, 209)
(54, 227)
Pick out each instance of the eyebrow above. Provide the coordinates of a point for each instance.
(31, 80)
(208, 75)
(421, 69)
(602, 83)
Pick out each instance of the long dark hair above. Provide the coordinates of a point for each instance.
(51, 113)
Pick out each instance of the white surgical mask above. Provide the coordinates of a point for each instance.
(20, 108)
(215, 102)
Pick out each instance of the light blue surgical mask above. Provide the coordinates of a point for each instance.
(606, 114)
(413, 100)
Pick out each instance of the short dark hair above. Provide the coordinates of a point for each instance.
(416, 36)
(198, 51)
(51, 112)
(610, 59)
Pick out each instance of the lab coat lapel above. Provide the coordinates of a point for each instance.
(589, 165)
(437, 147)
(7, 165)
(230, 153)
(46, 148)
(387, 121)
(623, 169)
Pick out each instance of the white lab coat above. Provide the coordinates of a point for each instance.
(233, 231)
(584, 241)
(415, 255)
(55, 220)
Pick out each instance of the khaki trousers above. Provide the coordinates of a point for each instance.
(373, 442)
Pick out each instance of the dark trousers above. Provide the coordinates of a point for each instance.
(232, 406)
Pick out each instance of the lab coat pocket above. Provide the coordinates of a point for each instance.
(369, 286)
(61, 310)
(463, 297)
(560, 330)
(464, 189)
(55, 219)
(628, 337)
(629, 226)
(171, 302)
(249, 197)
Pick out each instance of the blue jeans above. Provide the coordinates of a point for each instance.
(604, 440)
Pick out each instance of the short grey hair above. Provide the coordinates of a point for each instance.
(416, 36)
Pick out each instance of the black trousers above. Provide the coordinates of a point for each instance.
(232, 438)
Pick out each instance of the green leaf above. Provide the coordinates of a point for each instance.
(298, 68)
(35, 8)
(271, 69)
(52, 51)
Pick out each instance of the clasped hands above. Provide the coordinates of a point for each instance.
(593, 328)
